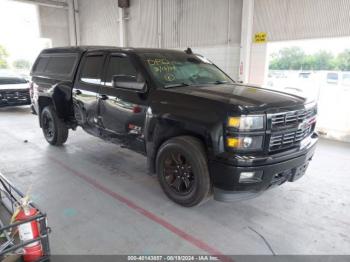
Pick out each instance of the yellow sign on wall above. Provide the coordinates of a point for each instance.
(260, 38)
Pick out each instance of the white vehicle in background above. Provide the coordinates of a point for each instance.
(14, 89)
(336, 78)
(345, 80)
(300, 83)
(332, 78)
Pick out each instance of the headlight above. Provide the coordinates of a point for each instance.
(245, 142)
(247, 122)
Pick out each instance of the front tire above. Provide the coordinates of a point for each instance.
(54, 129)
(182, 171)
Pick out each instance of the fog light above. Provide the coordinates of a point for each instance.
(250, 177)
(246, 175)
(233, 142)
(245, 143)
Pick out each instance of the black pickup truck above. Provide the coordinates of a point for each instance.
(201, 132)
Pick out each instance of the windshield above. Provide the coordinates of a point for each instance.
(12, 81)
(180, 69)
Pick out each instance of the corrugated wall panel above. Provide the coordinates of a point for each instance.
(183, 22)
(99, 22)
(212, 28)
(142, 30)
(235, 21)
(224, 56)
(54, 25)
(302, 19)
(200, 22)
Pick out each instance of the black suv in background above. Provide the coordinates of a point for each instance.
(14, 90)
(201, 132)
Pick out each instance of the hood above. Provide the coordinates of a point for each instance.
(249, 97)
(14, 86)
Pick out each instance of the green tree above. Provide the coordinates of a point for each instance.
(3, 57)
(342, 61)
(290, 58)
(22, 64)
(323, 60)
(308, 62)
(294, 58)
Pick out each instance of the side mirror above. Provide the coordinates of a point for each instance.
(128, 82)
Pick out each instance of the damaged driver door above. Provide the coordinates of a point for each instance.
(122, 99)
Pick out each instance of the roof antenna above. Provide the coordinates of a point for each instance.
(188, 51)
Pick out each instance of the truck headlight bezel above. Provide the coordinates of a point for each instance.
(247, 122)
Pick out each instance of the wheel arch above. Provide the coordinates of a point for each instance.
(43, 101)
(161, 131)
(60, 97)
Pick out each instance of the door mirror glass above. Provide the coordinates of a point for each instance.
(129, 83)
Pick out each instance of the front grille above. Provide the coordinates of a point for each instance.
(288, 139)
(291, 118)
(15, 95)
(288, 129)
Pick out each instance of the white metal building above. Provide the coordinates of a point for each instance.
(217, 29)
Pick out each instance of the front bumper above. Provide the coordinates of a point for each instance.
(226, 177)
(14, 98)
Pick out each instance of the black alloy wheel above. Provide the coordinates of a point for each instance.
(182, 170)
(178, 173)
(54, 128)
(48, 126)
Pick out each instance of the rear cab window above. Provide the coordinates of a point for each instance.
(59, 66)
(41, 64)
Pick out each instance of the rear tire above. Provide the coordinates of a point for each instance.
(54, 129)
(182, 170)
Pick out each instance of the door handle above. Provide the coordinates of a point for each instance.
(103, 97)
(77, 92)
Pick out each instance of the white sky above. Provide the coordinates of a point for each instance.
(19, 30)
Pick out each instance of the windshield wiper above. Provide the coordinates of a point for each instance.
(176, 85)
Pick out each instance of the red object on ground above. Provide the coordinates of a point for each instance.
(29, 231)
(136, 109)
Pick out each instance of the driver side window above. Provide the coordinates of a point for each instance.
(119, 66)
